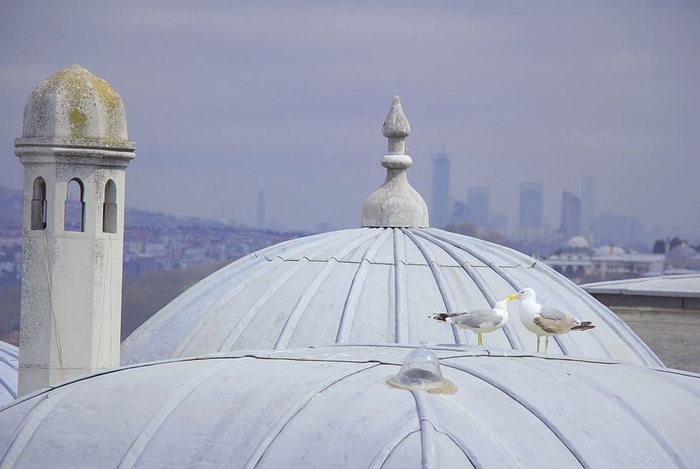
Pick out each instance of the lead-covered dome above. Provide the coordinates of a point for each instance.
(372, 285)
(333, 407)
(8, 372)
(377, 284)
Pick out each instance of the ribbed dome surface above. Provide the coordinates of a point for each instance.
(372, 285)
(8, 372)
(332, 407)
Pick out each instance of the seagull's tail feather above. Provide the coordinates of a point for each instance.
(584, 326)
(440, 317)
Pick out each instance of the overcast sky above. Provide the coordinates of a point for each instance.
(226, 98)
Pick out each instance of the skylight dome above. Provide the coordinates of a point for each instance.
(421, 370)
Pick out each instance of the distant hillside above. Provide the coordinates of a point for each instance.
(164, 255)
(10, 212)
(11, 217)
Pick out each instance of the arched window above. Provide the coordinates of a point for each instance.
(74, 219)
(109, 209)
(39, 204)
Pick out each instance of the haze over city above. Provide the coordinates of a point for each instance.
(225, 99)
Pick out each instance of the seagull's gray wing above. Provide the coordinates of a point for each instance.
(478, 318)
(550, 312)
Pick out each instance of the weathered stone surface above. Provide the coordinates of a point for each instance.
(74, 133)
(77, 105)
(395, 204)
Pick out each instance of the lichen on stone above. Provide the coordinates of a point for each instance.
(78, 124)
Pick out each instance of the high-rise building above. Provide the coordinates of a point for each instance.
(531, 203)
(587, 203)
(570, 224)
(440, 213)
(478, 205)
(618, 230)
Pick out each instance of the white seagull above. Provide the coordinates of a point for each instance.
(544, 320)
(480, 320)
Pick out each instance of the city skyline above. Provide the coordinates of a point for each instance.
(225, 100)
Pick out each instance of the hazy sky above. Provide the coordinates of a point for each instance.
(226, 98)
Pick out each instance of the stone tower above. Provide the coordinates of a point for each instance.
(74, 150)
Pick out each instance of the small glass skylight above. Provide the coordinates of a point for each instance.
(421, 370)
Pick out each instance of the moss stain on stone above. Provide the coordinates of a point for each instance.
(78, 84)
(78, 124)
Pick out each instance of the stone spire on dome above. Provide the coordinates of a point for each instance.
(395, 203)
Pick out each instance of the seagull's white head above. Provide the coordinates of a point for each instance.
(524, 294)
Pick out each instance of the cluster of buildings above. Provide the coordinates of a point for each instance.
(152, 241)
(582, 263)
(160, 242)
(578, 215)
(586, 246)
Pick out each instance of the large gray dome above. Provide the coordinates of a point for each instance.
(372, 285)
(8, 372)
(333, 407)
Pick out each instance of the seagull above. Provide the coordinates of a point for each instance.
(545, 320)
(480, 320)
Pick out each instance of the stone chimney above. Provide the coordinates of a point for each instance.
(74, 150)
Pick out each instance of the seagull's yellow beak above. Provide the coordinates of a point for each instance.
(512, 297)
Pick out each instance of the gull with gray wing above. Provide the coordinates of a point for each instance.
(480, 320)
(543, 320)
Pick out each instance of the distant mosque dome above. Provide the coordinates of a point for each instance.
(8, 372)
(681, 256)
(75, 104)
(577, 242)
(336, 407)
(374, 285)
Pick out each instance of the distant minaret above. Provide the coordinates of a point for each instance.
(74, 140)
(261, 209)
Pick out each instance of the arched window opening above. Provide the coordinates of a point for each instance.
(74, 219)
(109, 209)
(39, 205)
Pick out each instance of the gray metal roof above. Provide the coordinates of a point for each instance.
(372, 285)
(664, 291)
(331, 407)
(8, 372)
(662, 285)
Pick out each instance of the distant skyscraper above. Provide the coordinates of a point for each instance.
(570, 224)
(618, 230)
(261, 209)
(531, 202)
(478, 205)
(587, 202)
(440, 213)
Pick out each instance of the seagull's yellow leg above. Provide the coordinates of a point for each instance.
(546, 344)
(480, 340)
(538, 344)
